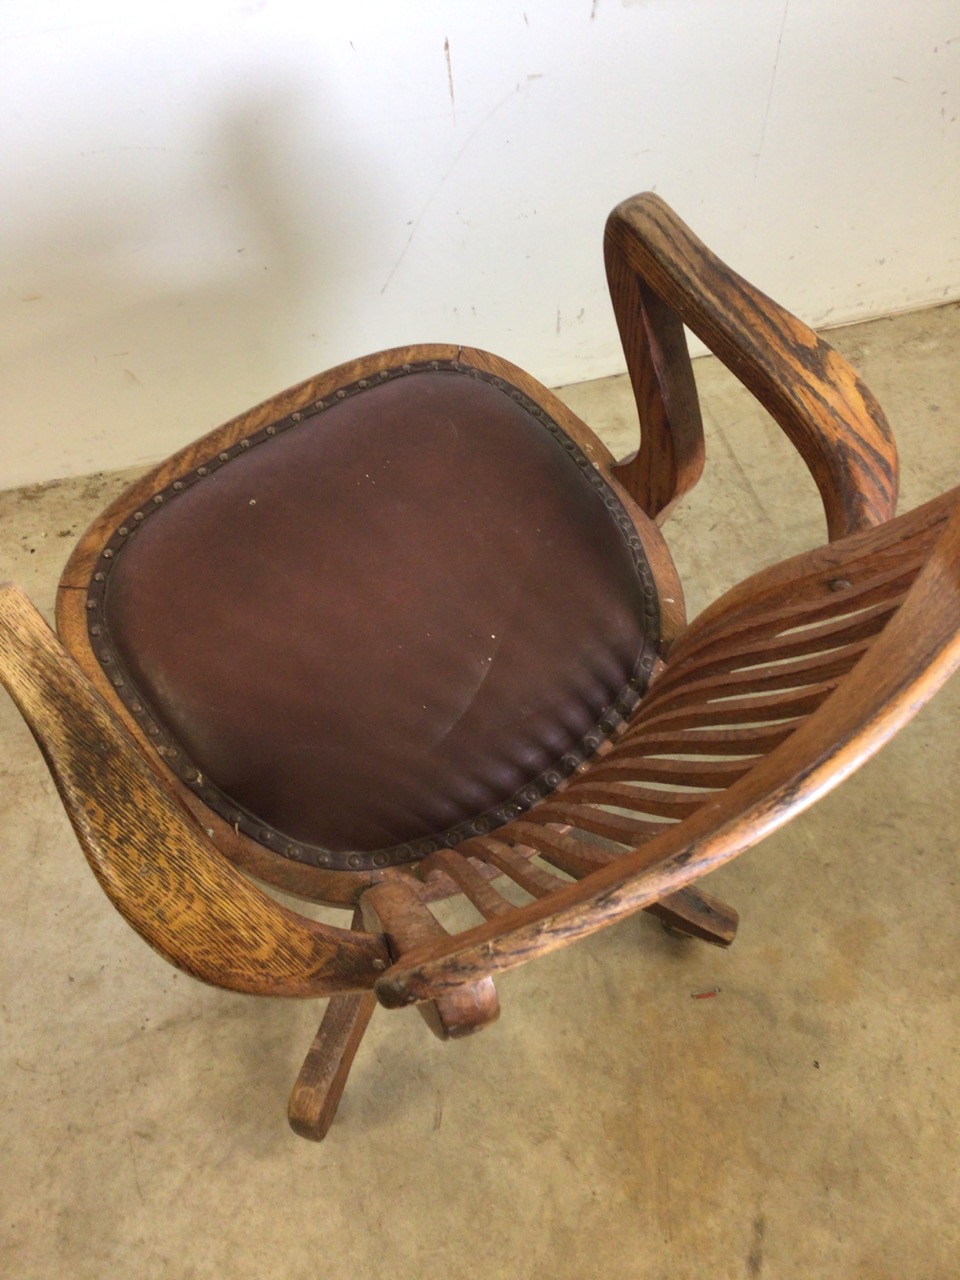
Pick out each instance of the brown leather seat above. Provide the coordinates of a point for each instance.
(385, 624)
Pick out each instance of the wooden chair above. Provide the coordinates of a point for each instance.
(408, 631)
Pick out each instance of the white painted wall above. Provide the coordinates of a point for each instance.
(204, 202)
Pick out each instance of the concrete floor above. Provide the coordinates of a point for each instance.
(802, 1123)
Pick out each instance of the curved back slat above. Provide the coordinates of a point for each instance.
(150, 857)
(914, 651)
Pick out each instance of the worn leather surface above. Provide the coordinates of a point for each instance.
(384, 621)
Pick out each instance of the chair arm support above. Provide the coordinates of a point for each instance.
(151, 858)
(662, 277)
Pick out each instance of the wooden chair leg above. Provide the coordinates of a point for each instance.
(698, 914)
(323, 1076)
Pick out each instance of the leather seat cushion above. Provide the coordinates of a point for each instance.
(384, 624)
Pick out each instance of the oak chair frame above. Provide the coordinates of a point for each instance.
(773, 695)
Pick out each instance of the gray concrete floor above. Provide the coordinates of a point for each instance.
(802, 1123)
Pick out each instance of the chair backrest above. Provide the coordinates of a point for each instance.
(770, 698)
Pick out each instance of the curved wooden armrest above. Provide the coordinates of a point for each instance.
(662, 277)
(149, 855)
(914, 655)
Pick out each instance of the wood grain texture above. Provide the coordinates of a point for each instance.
(660, 274)
(151, 858)
(911, 656)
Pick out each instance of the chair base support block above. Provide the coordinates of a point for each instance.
(697, 915)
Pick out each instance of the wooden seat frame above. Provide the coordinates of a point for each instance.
(768, 699)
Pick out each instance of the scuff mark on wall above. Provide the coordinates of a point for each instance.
(773, 80)
(414, 225)
(453, 100)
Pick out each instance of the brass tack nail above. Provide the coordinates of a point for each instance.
(138, 515)
(108, 554)
(136, 707)
(224, 457)
(839, 584)
(380, 964)
(118, 682)
(244, 444)
(95, 630)
(91, 604)
(201, 471)
(123, 531)
(363, 383)
(158, 498)
(354, 860)
(271, 431)
(341, 395)
(99, 576)
(295, 417)
(178, 485)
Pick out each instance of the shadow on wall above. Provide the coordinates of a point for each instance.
(160, 283)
